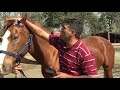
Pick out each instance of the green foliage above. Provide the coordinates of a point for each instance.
(93, 22)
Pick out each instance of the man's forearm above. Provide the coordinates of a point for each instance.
(34, 27)
(38, 30)
(64, 75)
(84, 76)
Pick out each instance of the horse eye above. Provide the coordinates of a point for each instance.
(15, 38)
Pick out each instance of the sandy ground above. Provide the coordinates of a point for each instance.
(34, 70)
(31, 70)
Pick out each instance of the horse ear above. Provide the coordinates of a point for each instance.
(24, 18)
(8, 22)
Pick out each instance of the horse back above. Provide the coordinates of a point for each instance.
(102, 49)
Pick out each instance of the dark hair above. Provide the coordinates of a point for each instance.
(76, 25)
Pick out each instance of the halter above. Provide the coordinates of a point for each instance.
(18, 60)
(17, 23)
(27, 45)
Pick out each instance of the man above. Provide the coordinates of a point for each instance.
(76, 60)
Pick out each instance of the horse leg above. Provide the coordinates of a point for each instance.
(108, 66)
(109, 55)
(107, 72)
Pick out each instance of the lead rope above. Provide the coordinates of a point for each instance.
(22, 74)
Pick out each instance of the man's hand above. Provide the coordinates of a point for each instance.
(16, 69)
(62, 75)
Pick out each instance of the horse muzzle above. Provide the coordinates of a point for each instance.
(5, 69)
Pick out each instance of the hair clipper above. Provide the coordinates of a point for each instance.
(51, 71)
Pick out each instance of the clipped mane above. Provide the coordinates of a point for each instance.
(40, 25)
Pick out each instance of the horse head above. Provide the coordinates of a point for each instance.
(15, 44)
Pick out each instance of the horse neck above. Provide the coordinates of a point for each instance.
(44, 53)
(38, 48)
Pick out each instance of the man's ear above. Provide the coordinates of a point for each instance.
(73, 32)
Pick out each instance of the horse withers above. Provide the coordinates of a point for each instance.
(19, 39)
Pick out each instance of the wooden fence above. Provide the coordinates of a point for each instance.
(112, 37)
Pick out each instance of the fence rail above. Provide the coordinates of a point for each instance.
(116, 44)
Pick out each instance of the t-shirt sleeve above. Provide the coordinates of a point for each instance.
(53, 39)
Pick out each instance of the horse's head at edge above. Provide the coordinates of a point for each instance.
(14, 40)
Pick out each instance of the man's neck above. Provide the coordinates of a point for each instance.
(71, 42)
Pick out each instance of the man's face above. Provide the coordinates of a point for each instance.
(65, 32)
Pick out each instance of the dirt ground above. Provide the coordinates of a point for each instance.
(30, 68)
(34, 70)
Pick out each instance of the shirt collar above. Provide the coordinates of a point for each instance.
(75, 46)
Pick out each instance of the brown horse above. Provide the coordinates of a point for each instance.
(18, 40)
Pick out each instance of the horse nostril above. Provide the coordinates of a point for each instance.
(6, 68)
(3, 66)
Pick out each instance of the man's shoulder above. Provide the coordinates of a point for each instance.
(56, 39)
(84, 48)
(83, 44)
(51, 36)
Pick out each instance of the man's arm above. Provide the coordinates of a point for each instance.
(64, 75)
(38, 30)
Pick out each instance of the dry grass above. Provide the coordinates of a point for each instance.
(30, 70)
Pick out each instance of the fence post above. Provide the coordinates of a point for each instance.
(108, 36)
